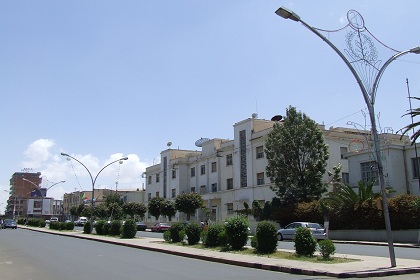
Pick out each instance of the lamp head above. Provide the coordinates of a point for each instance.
(287, 14)
(64, 154)
(415, 50)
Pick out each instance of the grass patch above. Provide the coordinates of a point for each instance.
(276, 255)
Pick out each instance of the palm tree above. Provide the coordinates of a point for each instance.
(413, 113)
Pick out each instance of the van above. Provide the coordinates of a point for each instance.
(81, 221)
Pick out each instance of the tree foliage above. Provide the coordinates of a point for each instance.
(414, 125)
(188, 203)
(167, 209)
(297, 158)
(154, 206)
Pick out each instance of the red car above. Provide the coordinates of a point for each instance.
(160, 227)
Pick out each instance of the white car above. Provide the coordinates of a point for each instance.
(288, 232)
(54, 219)
(81, 221)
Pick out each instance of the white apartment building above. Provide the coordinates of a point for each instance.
(228, 173)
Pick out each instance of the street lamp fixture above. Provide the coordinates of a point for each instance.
(42, 196)
(369, 94)
(93, 180)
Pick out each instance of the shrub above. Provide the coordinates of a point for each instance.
(115, 228)
(266, 237)
(175, 229)
(222, 238)
(212, 236)
(107, 228)
(326, 248)
(254, 241)
(99, 227)
(193, 232)
(69, 226)
(129, 229)
(167, 236)
(305, 242)
(54, 225)
(203, 236)
(61, 225)
(87, 228)
(237, 232)
(41, 223)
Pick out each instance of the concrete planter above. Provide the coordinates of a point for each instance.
(399, 236)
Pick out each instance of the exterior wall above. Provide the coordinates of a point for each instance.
(398, 169)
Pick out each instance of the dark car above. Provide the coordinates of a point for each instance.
(160, 227)
(9, 224)
(141, 226)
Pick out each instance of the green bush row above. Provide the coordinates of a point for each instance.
(62, 225)
(116, 228)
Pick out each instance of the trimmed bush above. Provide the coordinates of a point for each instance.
(326, 248)
(266, 237)
(237, 232)
(222, 238)
(115, 228)
(99, 227)
(175, 229)
(87, 228)
(167, 236)
(107, 228)
(212, 236)
(193, 232)
(69, 226)
(305, 242)
(254, 241)
(129, 229)
(61, 225)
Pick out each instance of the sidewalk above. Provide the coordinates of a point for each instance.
(366, 266)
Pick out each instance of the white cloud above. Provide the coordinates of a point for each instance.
(44, 156)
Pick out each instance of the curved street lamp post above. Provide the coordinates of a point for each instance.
(369, 94)
(93, 180)
(42, 196)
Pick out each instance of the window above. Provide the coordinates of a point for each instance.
(260, 178)
(173, 193)
(214, 187)
(343, 151)
(173, 173)
(157, 178)
(157, 194)
(415, 166)
(229, 183)
(192, 171)
(229, 207)
(260, 152)
(345, 177)
(149, 180)
(213, 167)
(203, 189)
(229, 160)
(149, 196)
(368, 171)
(203, 169)
(192, 189)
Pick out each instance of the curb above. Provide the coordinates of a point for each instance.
(276, 268)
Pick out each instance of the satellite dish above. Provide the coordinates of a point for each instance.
(277, 118)
(254, 115)
(200, 142)
(169, 144)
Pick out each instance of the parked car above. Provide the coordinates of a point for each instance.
(288, 232)
(81, 221)
(141, 226)
(160, 227)
(9, 224)
(54, 219)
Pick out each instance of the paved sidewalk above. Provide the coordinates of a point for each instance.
(366, 266)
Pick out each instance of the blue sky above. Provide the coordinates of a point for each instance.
(104, 79)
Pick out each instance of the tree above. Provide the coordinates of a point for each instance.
(113, 198)
(256, 210)
(167, 209)
(101, 211)
(140, 210)
(129, 209)
(154, 206)
(188, 203)
(297, 158)
(413, 113)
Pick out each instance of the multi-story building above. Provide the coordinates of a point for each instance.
(228, 173)
(23, 185)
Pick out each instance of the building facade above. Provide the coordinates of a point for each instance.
(228, 173)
